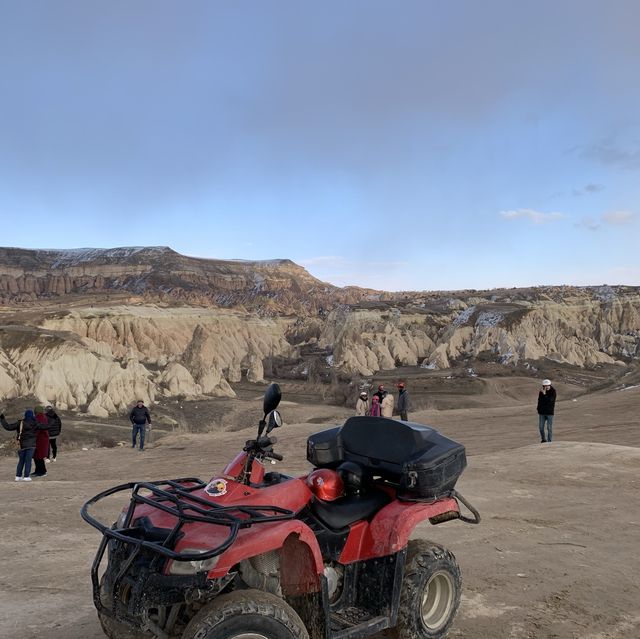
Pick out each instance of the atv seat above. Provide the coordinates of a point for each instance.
(347, 510)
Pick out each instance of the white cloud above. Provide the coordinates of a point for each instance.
(537, 217)
(618, 218)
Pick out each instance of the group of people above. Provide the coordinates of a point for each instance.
(38, 431)
(37, 440)
(383, 403)
(36, 436)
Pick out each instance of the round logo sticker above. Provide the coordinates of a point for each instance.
(216, 488)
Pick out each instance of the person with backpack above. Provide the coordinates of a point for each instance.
(26, 432)
(139, 418)
(55, 427)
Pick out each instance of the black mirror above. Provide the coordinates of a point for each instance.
(274, 421)
(272, 397)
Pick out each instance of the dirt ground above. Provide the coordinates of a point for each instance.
(556, 555)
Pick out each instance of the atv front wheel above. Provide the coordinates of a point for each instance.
(246, 614)
(115, 629)
(430, 593)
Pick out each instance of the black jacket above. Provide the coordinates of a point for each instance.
(140, 415)
(55, 424)
(547, 401)
(29, 430)
(380, 395)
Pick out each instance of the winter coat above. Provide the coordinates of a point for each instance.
(362, 406)
(386, 407)
(42, 437)
(403, 402)
(547, 401)
(374, 411)
(55, 424)
(140, 415)
(30, 428)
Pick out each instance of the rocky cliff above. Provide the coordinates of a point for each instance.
(99, 360)
(578, 326)
(159, 274)
(193, 328)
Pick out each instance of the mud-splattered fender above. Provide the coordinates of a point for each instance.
(300, 558)
(389, 531)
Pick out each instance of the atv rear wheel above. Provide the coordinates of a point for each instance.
(246, 614)
(430, 593)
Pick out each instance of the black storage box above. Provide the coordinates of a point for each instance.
(324, 449)
(418, 458)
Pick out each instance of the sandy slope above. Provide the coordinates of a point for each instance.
(555, 557)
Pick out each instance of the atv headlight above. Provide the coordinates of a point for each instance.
(192, 567)
(120, 521)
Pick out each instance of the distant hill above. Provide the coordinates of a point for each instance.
(158, 273)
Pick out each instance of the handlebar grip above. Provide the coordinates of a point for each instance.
(274, 456)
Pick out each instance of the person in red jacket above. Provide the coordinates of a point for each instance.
(42, 443)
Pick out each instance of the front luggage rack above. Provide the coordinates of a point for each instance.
(187, 508)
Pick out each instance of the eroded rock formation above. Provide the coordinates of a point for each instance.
(104, 359)
(95, 329)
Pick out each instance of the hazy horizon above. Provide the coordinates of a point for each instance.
(282, 258)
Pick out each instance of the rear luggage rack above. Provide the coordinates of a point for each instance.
(187, 508)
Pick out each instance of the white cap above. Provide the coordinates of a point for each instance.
(546, 382)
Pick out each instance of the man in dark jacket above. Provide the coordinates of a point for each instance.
(381, 394)
(546, 407)
(27, 430)
(55, 427)
(139, 418)
(403, 402)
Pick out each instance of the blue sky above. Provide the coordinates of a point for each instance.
(398, 145)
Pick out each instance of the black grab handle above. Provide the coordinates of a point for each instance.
(476, 514)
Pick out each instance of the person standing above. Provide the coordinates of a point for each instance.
(386, 405)
(55, 427)
(362, 405)
(374, 411)
(42, 443)
(381, 393)
(139, 418)
(27, 429)
(403, 402)
(546, 408)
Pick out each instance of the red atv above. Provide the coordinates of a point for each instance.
(256, 555)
